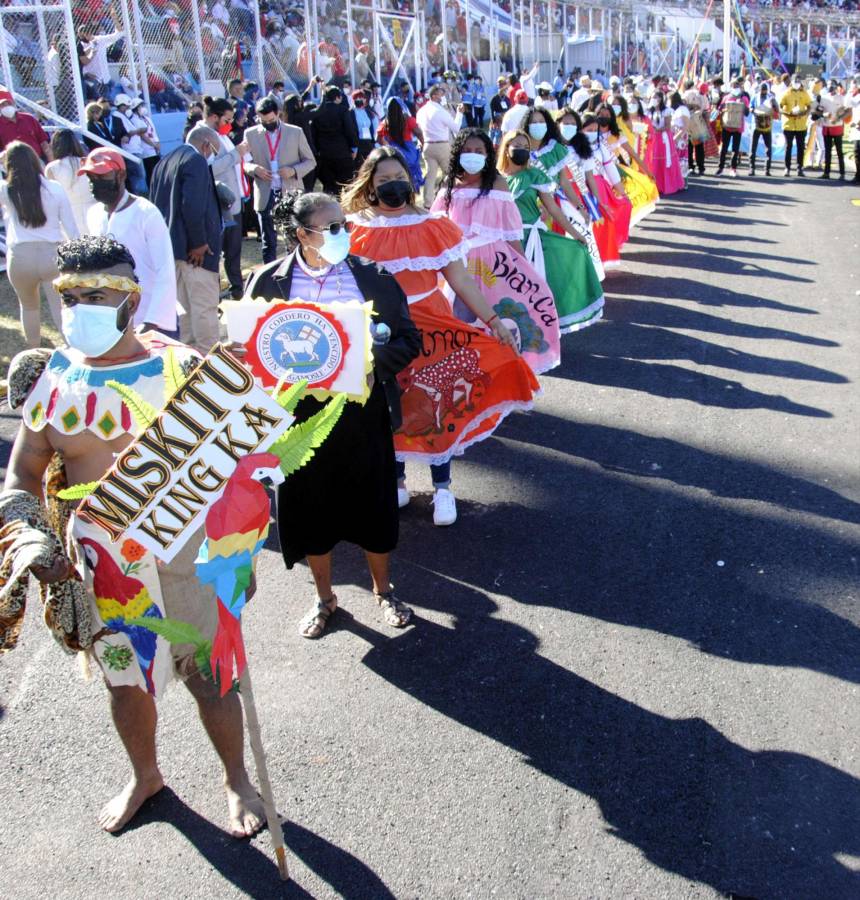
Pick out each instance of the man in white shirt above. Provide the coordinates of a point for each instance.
(438, 128)
(138, 225)
(95, 47)
(582, 94)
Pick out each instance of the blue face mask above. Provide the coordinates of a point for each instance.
(93, 329)
(335, 247)
(472, 162)
(593, 136)
(538, 131)
(568, 131)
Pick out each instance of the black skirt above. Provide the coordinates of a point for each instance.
(348, 491)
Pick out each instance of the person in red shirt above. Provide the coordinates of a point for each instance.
(19, 126)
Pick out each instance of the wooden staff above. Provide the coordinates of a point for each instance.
(256, 739)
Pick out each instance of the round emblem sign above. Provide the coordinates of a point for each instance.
(298, 342)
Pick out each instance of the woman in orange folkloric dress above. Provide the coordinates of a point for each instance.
(466, 379)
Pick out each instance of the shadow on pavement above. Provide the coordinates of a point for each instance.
(693, 236)
(762, 824)
(725, 265)
(629, 337)
(253, 871)
(687, 289)
(745, 254)
(627, 551)
(679, 383)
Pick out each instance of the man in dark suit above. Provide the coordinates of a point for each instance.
(336, 135)
(183, 189)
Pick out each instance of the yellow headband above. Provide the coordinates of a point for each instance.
(79, 279)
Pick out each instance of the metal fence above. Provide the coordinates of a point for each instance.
(61, 54)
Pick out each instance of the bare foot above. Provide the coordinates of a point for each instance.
(245, 809)
(118, 812)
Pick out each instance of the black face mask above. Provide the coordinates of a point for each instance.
(271, 126)
(106, 192)
(519, 156)
(394, 194)
(603, 123)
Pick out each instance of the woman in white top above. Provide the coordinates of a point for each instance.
(38, 217)
(681, 129)
(68, 153)
(150, 145)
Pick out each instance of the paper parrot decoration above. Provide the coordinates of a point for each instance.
(236, 528)
(122, 602)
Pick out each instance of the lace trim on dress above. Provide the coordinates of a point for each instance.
(501, 410)
(398, 222)
(426, 263)
(470, 193)
(478, 235)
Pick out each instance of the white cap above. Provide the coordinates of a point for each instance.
(544, 86)
(615, 80)
(138, 102)
(122, 100)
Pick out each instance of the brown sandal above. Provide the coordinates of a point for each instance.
(316, 621)
(395, 612)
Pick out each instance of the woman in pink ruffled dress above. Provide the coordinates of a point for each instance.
(477, 198)
(662, 154)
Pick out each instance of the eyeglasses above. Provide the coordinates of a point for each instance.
(334, 229)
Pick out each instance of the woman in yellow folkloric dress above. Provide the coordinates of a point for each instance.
(639, 184)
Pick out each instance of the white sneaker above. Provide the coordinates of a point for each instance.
(403, 496)
(444, 507)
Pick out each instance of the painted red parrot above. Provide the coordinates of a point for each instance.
(236, 527)
(119, 599)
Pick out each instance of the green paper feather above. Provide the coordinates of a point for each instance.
(172, 630)
(174, 377)
(289, 399)
(297, 446)
(144, 413)
(78, 491)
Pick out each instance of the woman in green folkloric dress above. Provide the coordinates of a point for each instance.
(565, 264)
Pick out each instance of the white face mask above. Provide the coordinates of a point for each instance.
(92, 329)
(797, 85)
(8, 111)
(593, 136)
(538, 131)
(335, 247)
(568, 131)
(736, 92)
(473, 162)
(616, 109)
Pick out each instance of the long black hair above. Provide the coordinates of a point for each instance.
(579, 142)
(552, 132)
(455, 170)
(395, 120)
(614, 130)
(24, 180)
(294, 211)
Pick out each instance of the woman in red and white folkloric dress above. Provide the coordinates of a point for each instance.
(467, 378)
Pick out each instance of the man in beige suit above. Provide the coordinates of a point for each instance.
(279, 156)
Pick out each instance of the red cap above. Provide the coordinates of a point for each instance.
(102, 162)
(6, 97)
(521, 97)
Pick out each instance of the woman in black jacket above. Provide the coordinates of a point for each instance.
(348, 490)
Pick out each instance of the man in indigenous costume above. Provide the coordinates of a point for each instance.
(94, 592)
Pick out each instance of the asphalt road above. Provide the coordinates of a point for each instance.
(634, 667)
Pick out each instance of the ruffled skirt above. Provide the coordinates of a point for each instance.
(521, 298)
(459, 388)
